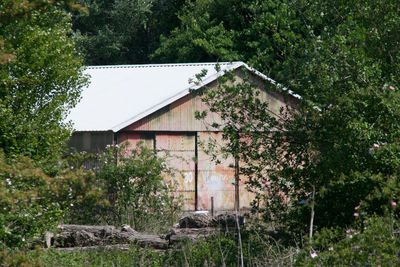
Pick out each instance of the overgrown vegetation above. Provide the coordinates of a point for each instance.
(123, 31)
(33, 201)
(130, 192)
(41, 78)
(374, 243)
(217, 250)
(134, 189)
(325, 169)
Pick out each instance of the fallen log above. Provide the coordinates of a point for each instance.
(189, 234)
(117, 246)
(191, 227)
(94, 235)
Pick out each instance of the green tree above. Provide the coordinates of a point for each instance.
(32, 202)
(123, 31)
(264, 34)
(40, 77)
(341, 140)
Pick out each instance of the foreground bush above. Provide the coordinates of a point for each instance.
(125, 188)
(133, 181)
(32, 202)
(374, 243)
(134, 256)
(19, 258)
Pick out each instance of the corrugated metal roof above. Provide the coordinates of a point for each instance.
(121, 95)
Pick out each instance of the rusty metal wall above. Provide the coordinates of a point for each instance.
(174, 128)
(180, 151)
(218, 180)
(213, 180)
(133, 138)
(178, 116)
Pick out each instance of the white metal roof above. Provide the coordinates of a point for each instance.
(118, 96)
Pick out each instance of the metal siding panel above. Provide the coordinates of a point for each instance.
(215, 180)
(92, 142)
(178, 116)
(218, 185)
(218, 180)
(135, 138)
(245, 196)
(181, 150)
(86, 142)
(99, 140)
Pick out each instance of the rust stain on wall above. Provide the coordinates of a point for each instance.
(134, 138)
(218, 180)
(173, 130)
(180, 151)
(178, 116)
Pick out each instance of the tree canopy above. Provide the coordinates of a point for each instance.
(337, 149)
(40, 77)
(123, 31)
(265, 34)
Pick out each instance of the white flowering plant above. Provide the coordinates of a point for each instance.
(375, 242)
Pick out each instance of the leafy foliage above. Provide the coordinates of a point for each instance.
(122, 31)
(375, 243)
(40, 80)
(133, 182)
(344, 149)
(268, 35)
(32, 202)
(18, 258)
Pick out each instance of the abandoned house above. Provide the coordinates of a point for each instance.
(153, 104)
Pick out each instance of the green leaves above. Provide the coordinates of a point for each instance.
(335, 55)
(373, 243)
(39, 85)
(123, 31)
(133, 181)
(32, 202)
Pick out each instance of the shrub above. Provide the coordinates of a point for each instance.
(26, 211)
(14, 258)
(134, 256)
(32, 202)
(135, 187)
(374, 242)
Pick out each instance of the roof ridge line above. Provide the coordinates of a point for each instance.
(164, 65)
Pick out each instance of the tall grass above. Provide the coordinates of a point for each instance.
(220, 249)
